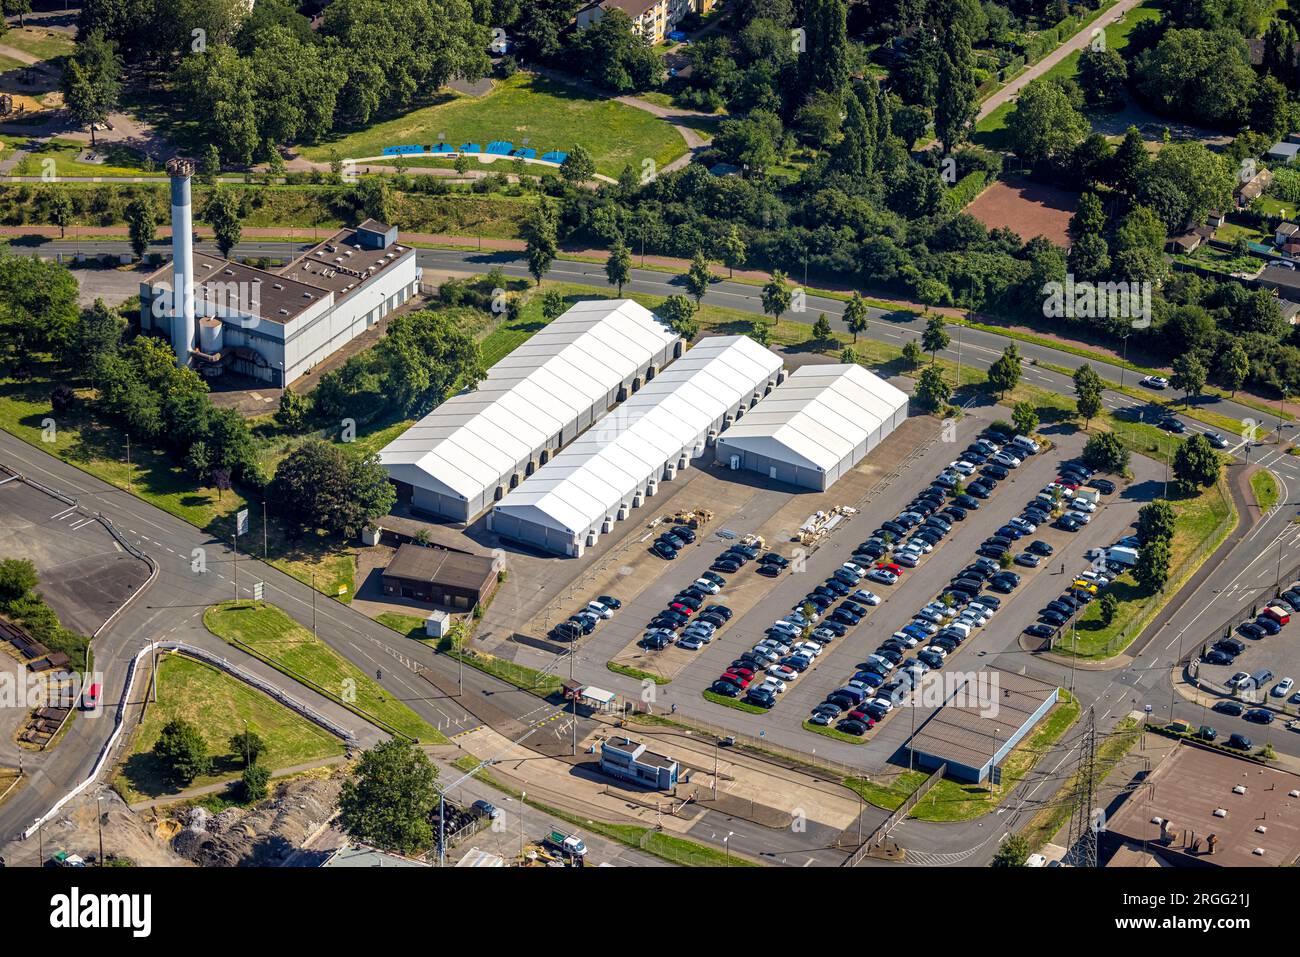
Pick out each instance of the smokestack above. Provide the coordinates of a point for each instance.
(180, 169)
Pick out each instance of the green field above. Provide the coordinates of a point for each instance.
(1264, 485)
(220, 706)
(549, 115)
(118, 160)
(268, 633)
(45, 44)
(990, 132)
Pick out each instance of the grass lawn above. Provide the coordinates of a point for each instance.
(546, 114)
(409, 625)
(1264, 485)
(220, 706)
(45, 44)
(268, 633)
(636, 673)
(736, 703)
(1204, 520)
(828, 732)
(118, 160)
(521, 676)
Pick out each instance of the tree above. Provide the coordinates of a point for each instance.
(822, 328)
(60, 206)
(92, 81)
(935, 338)
(698, 277)
(578, 166)
(318, 485)
(1105, 453)
(1102, 75)
(1188, 376)
(293, 411)
(19, 9)
(1233, 366)
(857, 314)
(1087, 390)
(1196, 464)
(17, 577)
(849, 356)
(618, 268)
(554, 304)
(255, 783)
(776, 296)
(1025, 418)
(1152, 572)
(932, 390)
(222, 213)
(540, 237)
(425, 357)
(390, 798)
(732, 250)
(826, 64)
(1012, 852)
(1044, 122)
(142, 223)
(954, 108)
(1130, 163)
(760, 332)
(1155, 522)
(182, 751)
(679, 312)
(912, 354)
(1004, 373)
(612, 54)
(1109, 607)
(248, 746)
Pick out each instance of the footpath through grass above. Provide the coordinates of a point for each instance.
(266, 632)
(525, 110)
(220, 706)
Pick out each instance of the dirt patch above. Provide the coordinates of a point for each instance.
(1030, 209)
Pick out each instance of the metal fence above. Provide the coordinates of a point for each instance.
(877, 837)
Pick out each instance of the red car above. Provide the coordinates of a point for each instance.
(90, 698)
(890, 567)
(862, 716)
(679, 607)
(743, 680)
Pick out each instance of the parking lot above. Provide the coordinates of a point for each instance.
(84, 574)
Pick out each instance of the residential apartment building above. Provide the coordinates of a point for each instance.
(653, 19)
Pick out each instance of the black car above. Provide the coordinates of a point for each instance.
(1240, 742)
(968, 502)
(664, 551)
(853, 606)
(1251, 630)
(725, 688)
(1011, 532)
(976, 490)
(1233, 709)
(762, 697)
(995, 471)
(1039, 547)
(717, 621)
(890, 655)
(1066, 524)
(818, 600)
(722, 610)
(747, 550)
(722, 565)
(1216, 657)
(769, 571)
(1259, 716)
(1104, 486)
(1052, 617)
(838, 587)
(955, 512)
(772, 558)
(1171, 424)
(852, 726)
(991, 551)
(835, 627)
(684, 533)
(843, 617)
(716, 579)
(1040, 631)
(734, 555)
(1231, 645)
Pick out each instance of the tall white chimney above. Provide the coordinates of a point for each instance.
(180, 169)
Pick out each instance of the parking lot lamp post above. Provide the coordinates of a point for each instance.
(1277, 587)
(715, 767)
(726, 842)
(1123, 360)
(1280, 404)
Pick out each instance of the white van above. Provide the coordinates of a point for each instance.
(961, 628)
(1026, 443)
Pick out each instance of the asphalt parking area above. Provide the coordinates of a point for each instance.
(84, 574)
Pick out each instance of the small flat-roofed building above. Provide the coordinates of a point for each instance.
(624, 758)
(1202, 807)
(981, 721)
(1283, 152)
(362, 855)
(440, 577)
(815, 426)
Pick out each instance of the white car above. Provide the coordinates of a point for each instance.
(1156, 382)
(1083, 518)
(919, 545)
(1006, 460)
(883, 702)
(785, 627)
(962, 467)
(926, 626)
(1282, 687)
(1083, 505)
(909, 640)
(883, 576)
(773, 684)
(983, 609)
(866, 597)
(810, 648)
(784, 672)
(601, 611)
(1293, 725)
(855, 568)
(768, 654)
(704, 585)
(1023, 524)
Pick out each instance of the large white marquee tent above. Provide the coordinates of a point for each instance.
(820, 423)
(611, 469)
(471, 450)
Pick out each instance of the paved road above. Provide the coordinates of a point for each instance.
(1077, 42)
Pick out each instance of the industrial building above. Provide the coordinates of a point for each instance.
(272, 325)
(1202, 807)
(440, 577)
(477, 446)
(982, 719)
(618, 463)
(816, 426)
(627, 759)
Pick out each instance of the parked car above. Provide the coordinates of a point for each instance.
(1155, 382)
(1232, 709)
(1240, 742)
